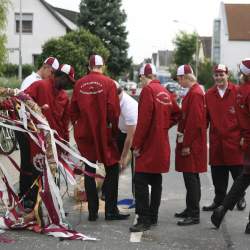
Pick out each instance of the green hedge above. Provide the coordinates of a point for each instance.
(11, 70)
(12, 82)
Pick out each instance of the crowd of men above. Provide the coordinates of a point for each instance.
(108, 124)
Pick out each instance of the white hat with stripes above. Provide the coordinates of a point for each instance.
(52, 61)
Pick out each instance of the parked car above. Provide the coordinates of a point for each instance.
(129, 86)
(178, 91)
(163, 76)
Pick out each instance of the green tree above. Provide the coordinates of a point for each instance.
(205, 76)
(74, 48)
(184, 53)
(105, 19)
(185, 48)
(4, 4)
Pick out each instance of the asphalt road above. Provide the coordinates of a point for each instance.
(167, 235)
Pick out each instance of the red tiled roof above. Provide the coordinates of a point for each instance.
(238, 21)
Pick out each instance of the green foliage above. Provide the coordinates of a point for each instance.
(232, 78)
(3, 13)
(172, 70)
(74, 48)
(105, 19)
(184, 53)
(205, 76)
(185, 48)
(2, 52)
(12, 82)
(11, 70)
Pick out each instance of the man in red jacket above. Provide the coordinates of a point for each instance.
(46, 71)
(52, 98)
(95, 113)
(243, 181)
(225, 154)
(191, 144)
(157, 112)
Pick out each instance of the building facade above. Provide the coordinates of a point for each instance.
(231, 35)
(40, 22)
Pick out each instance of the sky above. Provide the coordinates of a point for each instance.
(153, 24)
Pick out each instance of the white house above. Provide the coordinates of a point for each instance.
(40, 22)
(231, 35)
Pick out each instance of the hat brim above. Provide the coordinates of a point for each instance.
(72, 79)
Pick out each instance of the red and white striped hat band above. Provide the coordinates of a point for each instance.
(148, 69)
(220, 68)
(68, 70)
(245, 66)
(53, 62)
(95, 60)
(184, 69)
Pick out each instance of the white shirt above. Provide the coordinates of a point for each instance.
(222, 91)
(29, 80)
(129, 112)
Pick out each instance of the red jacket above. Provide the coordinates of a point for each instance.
(224, 130)
(43, 92)
(157, 112)
(95, 113)
(193, 127)
(243, 115)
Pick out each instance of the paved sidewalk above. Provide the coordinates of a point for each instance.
(167, 235)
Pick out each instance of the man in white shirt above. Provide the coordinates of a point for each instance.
(127, 125)
(45, 72)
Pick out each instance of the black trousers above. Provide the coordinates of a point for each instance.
(220, 177)
(147, 207)
(193, 196)
(237, 191)
(28, 173)
(111, 189)
(120, 143)
(121, 140)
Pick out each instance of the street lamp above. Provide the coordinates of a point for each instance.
(20, 41)
(196, 45)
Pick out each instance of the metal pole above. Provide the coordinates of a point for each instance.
(20, 42)
(196, 54)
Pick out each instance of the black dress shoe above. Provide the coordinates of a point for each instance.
(153, 221)
(211, 207)
(241, 204)
(182, 214)
(139, 227)
(116, 216)
(217, 216)
(188, 221)
(93, 217)
(247, 231)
